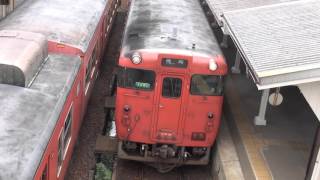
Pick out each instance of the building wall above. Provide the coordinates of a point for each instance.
(311, 92)
(316, 170)
(7, 9)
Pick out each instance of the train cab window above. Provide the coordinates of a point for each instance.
(136, 79)
(206, 85)
(171, 87)
(64, 139)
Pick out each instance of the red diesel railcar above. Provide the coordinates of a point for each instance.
(170, 85)
(50, 52)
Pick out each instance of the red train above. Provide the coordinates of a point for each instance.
(50, 52)
(170, 85)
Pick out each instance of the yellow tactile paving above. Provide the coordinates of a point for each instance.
(293, 144)
(252, 143)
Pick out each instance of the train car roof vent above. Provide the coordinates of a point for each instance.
(21, 56)
(193, 46)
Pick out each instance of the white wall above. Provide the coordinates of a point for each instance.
(311, 92)
(316, 170)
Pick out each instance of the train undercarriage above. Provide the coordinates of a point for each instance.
(161, 155)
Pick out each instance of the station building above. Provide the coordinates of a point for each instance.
(7, 6)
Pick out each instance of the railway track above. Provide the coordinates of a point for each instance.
(129, 170)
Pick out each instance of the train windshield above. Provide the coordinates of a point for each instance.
(136, 79)
(206, 85)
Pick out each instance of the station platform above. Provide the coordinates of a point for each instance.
(279, 150)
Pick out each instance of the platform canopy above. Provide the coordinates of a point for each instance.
(219, 7)
(279, 43)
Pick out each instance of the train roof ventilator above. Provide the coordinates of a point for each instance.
(21, 57)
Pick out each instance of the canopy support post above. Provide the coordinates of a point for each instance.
(236, 67)
(260, 120)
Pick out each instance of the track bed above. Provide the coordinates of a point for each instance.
(130, 170)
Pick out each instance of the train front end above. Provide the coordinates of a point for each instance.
(168, 106)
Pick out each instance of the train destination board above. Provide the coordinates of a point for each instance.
(177, 63)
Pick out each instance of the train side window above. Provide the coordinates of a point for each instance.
(44, 175)
(60, 154)
(67, 130)
(65, 139)
(106, 25)
(171, 87)
(206, 85)
(136, 79)
(90, 66)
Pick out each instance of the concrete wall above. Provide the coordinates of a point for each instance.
(311, 92)
(316, 170)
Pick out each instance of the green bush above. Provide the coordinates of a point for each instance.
(102, 173)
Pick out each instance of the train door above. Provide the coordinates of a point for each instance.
(169, 108)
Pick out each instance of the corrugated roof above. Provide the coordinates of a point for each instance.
(219, 7)
(280, 43)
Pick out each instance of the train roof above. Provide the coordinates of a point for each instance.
(29, 115)
(167, 24)
(71, 22)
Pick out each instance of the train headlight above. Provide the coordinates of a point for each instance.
(213, 65)
(136, 58)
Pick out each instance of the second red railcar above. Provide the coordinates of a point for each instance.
(50, 52)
